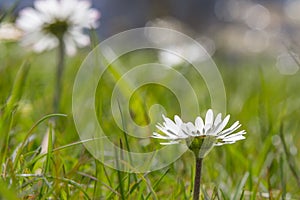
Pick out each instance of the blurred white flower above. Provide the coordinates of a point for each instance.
(52, 20)
(178, 54)
(202, 135)
(8, 32)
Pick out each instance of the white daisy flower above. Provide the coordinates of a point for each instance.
(52, 20)
(8, 32)
(202, 135)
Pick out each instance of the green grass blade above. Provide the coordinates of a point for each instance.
(119, 173)
(158, 181)
(10, 106)
(48, 160)
(30, 132)
(239, 189)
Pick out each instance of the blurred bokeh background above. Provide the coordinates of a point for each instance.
(233, 29)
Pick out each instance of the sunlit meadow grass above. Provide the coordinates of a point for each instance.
(264, 166)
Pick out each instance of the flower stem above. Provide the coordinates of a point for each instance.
(59, 73)
(197, 179)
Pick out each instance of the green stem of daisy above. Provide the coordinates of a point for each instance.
(59, 73)
(197, 179)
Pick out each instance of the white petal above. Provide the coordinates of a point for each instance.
(207, 128)
(228, 131)
(45, 7)
(81, 39)
(169, 143)
(30, 39)
(93, 17)
(209, 117)
(199, 124)
(183, 131)
(191, 129)
(233, 135)
(222, 143)
(170, 125)
(177, 120)
(223, 124)
(81, 9)
(49, 8)
(67, 7)
(235, 138)
(29, 20)
(45, 43)
(167, 120)
(218, 119)
(157, 135)
(168, 133)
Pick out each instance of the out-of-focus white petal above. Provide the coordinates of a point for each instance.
(44, 43)
(9, 32)
(67, 7)
(29, 20)
(30, 39)
(93, 17)
(47, 7)
(80, 39)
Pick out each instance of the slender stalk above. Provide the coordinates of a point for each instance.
(197, 179)
(59, 73)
